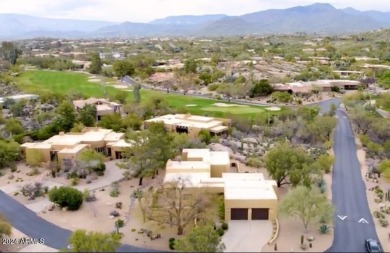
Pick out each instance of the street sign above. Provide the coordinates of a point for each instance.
(363, 221)
(342, 217)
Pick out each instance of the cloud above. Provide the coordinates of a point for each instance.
(147, 10)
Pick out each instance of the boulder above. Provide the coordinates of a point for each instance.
(11, 176)
(250, 140)
(220, 147)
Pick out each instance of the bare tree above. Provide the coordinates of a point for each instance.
(174, 203)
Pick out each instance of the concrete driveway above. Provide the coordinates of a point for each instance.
(247, 236)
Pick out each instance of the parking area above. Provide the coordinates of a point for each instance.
(247, 235)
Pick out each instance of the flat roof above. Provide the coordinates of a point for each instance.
(73, 150)
(193, 179)
(210, 157)
(236, 186)
(189, 165)
(119, 144)
(218, 129)
(248, 189)
(39, 145)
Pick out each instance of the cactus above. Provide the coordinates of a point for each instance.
(302, 239)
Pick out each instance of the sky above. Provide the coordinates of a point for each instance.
(148, 10)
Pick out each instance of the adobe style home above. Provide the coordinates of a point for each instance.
(103, 106)
(192, 124)
(65, 147)
(248, 196)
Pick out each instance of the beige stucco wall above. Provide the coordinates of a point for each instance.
(44, 154)
(249, 203)
(217, 170)
(71, 156)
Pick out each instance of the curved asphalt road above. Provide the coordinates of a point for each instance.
(353, 222)
(33, 226)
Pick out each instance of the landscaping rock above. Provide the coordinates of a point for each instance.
(11, 176)
(250, 140)
(114, 213)
(111, 216)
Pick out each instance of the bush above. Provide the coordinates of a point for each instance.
(212, 87)
(220, 231)
(172, 243)
(384, 223)
(66, 196)
(224, 226)
(221, 208)
(119, 223)
(254, 162)
(324, 229)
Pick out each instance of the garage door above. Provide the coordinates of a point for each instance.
(239, 213)
(260, 213)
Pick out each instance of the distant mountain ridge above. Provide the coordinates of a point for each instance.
(315, 18)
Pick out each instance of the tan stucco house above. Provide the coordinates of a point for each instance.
(65, 147)
(103, 106)
(192, 124)
(247, 196)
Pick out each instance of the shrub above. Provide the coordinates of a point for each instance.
(172, 243)
(378, 215)
(324, 229)
(254, 162)
(384, 223)
(66, 196)
(114, 193)
(224, 226)
(221, 208)
(212, 87)
(220, 231)
(119, 223)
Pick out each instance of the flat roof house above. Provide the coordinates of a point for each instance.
(248, 196)
(103, 106)
(65, 147)
(192, 124)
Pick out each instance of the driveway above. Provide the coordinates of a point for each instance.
(33, 226)
(353, 222)
(247, 236)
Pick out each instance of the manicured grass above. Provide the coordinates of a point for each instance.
(48, 82)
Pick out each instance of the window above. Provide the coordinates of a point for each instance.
(100, 150)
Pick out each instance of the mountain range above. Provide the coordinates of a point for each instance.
(315, 18)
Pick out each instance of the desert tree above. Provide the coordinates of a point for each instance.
(288, 164)
(201, 239)
(307, 204)
(176, 204)
(83, 241)
(138, 159)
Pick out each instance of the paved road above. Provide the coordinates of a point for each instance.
(353, 222)
(33, 226)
